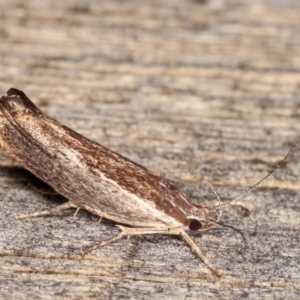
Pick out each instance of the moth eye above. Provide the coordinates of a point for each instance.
(195, 224)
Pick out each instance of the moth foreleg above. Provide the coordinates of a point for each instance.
(198, 251)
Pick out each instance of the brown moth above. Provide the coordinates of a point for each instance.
(99, 180)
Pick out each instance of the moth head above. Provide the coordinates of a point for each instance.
(203, 217)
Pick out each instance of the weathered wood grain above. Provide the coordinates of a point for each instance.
(193, 90)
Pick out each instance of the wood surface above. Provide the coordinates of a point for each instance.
(196, 91)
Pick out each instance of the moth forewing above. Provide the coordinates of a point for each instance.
(95, 178)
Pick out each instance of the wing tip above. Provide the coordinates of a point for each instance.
(17, 99)
(15, 92)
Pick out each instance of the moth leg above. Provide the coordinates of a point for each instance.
(125, 231)
(174, 231)
(198, 251)
(128, 231)
(103, 242)
(77, 210)
(47, 211)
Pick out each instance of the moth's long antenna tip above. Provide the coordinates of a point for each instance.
(279, 165)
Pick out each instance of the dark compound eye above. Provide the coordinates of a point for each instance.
(195, 224)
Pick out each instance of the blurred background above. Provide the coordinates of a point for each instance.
(137, 69)
(195, 90)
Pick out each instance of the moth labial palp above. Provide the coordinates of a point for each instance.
(94, 178)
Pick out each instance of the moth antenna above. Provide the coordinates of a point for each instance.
(219, 213)
(264, 178)
(202, 198)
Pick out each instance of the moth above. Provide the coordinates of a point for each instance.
(96, 179)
